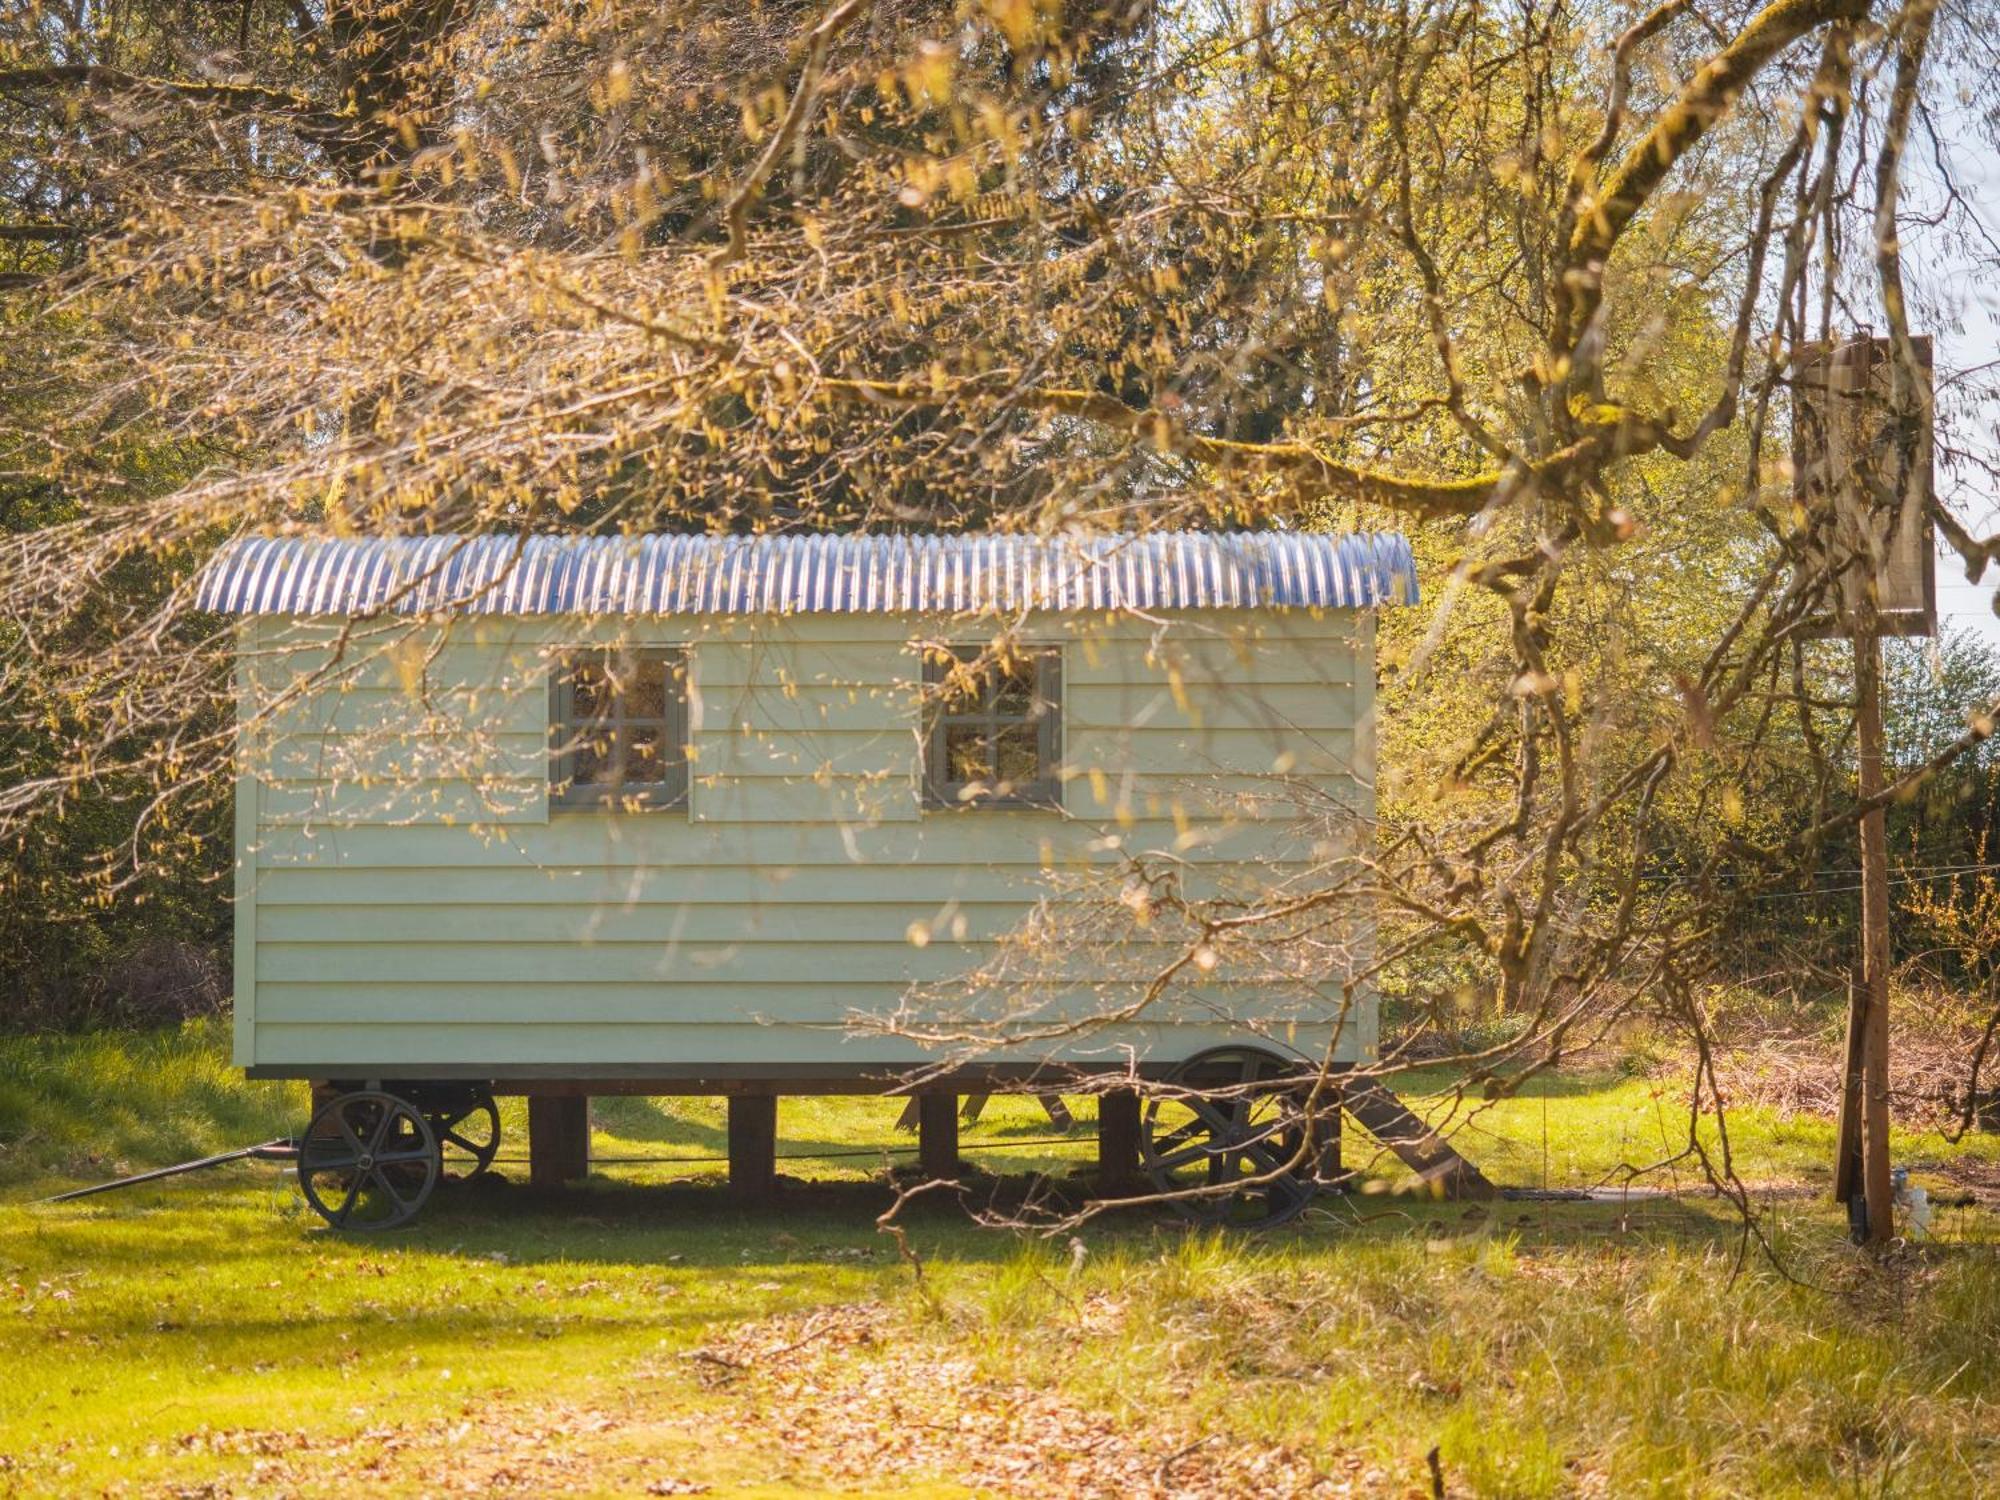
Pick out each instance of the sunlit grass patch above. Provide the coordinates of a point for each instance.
(189, 1332)
(82, 1106)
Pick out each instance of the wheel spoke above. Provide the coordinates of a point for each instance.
(314, 1164)
(386, 1183)
(392, 1158)
(340, 1119)
(1221, 1125)
(1182, 1157)
(1290, 1186)
(1173, 1138)
(1258, 1150)
(462, 1143)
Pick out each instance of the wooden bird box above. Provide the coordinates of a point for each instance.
(1861, 465)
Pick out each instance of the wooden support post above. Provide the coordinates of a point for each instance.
(1847, 1124)
(753, 1146)
(1327, 1130)
(1118, 1143)
(1873, 1092)
(558, 1139)
(937, 1134)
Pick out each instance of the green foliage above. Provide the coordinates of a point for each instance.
(113, 897)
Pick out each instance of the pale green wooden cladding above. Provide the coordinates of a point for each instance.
(411, 903)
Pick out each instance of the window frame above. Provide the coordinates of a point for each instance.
(1044, 793)
(565, 794)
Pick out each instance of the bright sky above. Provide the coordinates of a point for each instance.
(1967, 336)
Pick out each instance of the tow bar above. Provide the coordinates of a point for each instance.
(282, 1149)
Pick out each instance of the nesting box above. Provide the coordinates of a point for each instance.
(1862, 470)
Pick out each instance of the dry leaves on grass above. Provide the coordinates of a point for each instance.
(836, 1395)
(498, 1451)
(844, 1399)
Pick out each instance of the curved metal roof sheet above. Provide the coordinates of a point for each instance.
(682, 575)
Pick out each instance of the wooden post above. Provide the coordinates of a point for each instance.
(937, 1134)
(1847, 1124)
(753, 1146)
(1873, 993)
(1118, 1142)
(558, 1139)
(1327, 1130)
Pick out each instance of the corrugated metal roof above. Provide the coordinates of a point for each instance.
(681, 575)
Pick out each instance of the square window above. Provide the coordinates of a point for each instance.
(993, 731)
(618, 729)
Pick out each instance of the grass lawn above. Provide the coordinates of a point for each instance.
(643, 1335)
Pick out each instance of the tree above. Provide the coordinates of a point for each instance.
(1528, 282)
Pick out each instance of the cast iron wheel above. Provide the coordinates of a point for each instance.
(468, 1135)
(369, 1161)
(1232, 1120)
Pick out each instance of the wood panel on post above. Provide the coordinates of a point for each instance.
(753, 1146)
(1862, 433)
(937, 1134)
(1118, 1143)
(558, 1139)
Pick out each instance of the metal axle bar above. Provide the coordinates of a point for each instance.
(282, 1149)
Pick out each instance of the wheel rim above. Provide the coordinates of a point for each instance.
(1231, 1127)
(369, 1161)
(468, 1138)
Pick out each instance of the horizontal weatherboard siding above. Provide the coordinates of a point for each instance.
(339, 1047)
(749, 1002)
(411, 899)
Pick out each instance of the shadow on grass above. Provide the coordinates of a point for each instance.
(495, 1207)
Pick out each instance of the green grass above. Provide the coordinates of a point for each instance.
(81, 1108)
(209, 1332)
(1582, 1128)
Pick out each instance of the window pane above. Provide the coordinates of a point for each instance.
(618, 730)
(590, 762)
(645, 690)
(965, 753)
(1014, 691)
(590, 696)
(1017, 755)
(644, 759)
(961, 692)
